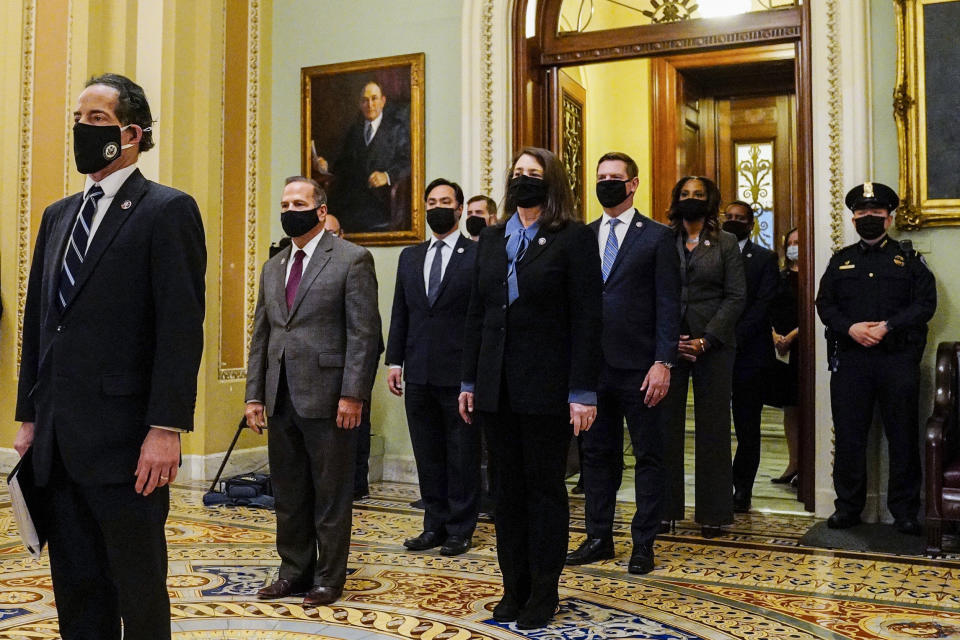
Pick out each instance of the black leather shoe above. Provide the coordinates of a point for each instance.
(282, 588)
(454, 546)
(741, 501)
(424, 541)
(507, 609)
(641, 560)
(536, 617)
(711, 531)
(577, 489)
(591, 550)
(840, 520)
(319, 596)
(908, 526)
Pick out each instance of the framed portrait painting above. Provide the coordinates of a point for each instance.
(362, 139)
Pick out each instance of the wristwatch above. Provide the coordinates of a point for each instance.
(668, 365)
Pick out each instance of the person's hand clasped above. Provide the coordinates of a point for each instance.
(582, 417)
(465, 401)
(868, 334)
(656, 384)
(348, 413)
(377, 179)
(395, 381)
(256, 417)
(691, 349)
(159, 460)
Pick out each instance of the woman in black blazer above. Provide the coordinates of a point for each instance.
(712, 298)
(530, 364)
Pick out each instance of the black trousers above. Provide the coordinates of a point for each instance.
(747, 404)
(601, 460)
(447, 451)
(532, 513)
(108, 559)
(312, 465)
(711, 403)
(864, 379)
(360, 483)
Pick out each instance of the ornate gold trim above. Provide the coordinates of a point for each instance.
(486, 92)
(68, 112)
(26, 154)
(835, 118)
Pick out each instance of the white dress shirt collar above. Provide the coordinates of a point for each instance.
(624, 217)
(112, 183)
(450, 241)
(308, 248)
(375, 125)
(743, 243)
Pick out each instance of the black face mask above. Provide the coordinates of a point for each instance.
(870, 227)
(692, 209)
(441, 219)
(737, 228)
(297, 223)
(475, 224)
(527, 191)
(610, 193)
(95, 147)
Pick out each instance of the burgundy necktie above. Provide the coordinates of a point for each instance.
(296, 272)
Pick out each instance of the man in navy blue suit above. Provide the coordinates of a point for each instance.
(754, 349)
(425, 346)
(641, 328)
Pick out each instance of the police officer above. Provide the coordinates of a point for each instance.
(875, 300)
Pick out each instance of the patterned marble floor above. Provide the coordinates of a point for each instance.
(755, 583)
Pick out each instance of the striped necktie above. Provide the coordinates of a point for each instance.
(610, 249)
(77, 246)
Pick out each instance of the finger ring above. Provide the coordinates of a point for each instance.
(164, 477)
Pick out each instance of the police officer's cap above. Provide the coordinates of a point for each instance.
(870, 195)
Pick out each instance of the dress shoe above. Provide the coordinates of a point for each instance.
(279, 589)
(908, 526)
(417, 504)
(711, 531)
(786, 478)
(578, 488)
(507, 609)
(741, 501)
(666, 526)
(840, 520)
(424, 541)
(641, 560)
(536, 616)
(454, 546)
(591, 550)
(322, 595)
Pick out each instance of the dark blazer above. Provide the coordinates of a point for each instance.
(754, 338)
(713, 287)
(329, 339)
(360, 207)
(428, 341)
(546, 343)
(641, 297)
(124, 354)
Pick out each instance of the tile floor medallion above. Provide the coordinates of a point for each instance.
(754, 583)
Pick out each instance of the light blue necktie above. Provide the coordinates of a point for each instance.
(512, 290)
(610, 249)
(367, 133)
(77, 246)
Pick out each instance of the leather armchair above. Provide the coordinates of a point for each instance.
(942, 480)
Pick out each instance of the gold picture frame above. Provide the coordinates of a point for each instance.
(926, 199)
(362, 138)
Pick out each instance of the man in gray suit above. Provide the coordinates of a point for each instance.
(313, 357)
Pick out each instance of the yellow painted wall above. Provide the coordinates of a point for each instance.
(618, 119)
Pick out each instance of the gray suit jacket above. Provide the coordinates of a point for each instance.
(714, 289)
(329, 339)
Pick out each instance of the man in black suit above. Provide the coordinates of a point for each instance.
(425, 347)
(112, 339)
(373, 162)
(641, 328)
(754, 349)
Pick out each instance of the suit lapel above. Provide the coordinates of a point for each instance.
(124, 204)
(537, 246)
(321, 256)
(278, 290)
(455, 258)
(423, 252)
(635, 229)
(58, 243)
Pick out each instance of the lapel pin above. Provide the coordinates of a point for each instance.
(542, 241)
(749, 255)
(460, 250)
(126, 204)
(706, 242)
(639, 224)
(283, 261)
